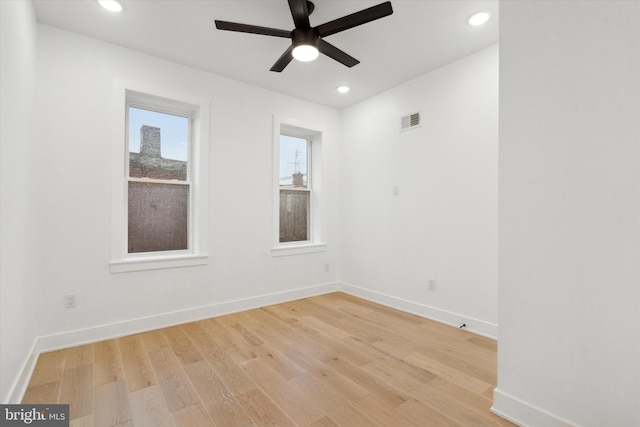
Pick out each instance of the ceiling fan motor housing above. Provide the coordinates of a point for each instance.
(307, 36)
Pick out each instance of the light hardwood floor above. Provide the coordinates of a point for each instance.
(330, 360)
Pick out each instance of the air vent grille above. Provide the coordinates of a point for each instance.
(410, 121)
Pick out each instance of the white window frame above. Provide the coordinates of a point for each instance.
(159, 99)
(315, 242)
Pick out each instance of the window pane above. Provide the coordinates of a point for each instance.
(294, 215)
(158, 217)
(158, 145)
(293, 161)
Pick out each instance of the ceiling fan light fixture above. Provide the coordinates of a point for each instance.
(111, 5)
(479, 18)
(305, 52)
(307, 41)
(343, 89)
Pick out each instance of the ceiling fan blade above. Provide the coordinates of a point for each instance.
(300, 13)
(355, 19)
(253, 29)
(335, 53)
(283, 61)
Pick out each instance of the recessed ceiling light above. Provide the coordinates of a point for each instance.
(479, 18)
(343, 89)
(111, 5)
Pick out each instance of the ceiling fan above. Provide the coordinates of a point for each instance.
(308, 42)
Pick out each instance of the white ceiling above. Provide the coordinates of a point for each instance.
(419, 36)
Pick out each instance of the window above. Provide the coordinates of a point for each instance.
(297, 197)
(159, 194)
(295, 188)
(159, 183)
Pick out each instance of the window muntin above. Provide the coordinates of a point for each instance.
(159, 185)
(295, 188)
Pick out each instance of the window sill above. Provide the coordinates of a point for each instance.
(298, 249)
(157, 262)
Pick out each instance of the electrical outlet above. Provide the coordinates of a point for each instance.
(431, 283)
(70, 301)
(326, 268)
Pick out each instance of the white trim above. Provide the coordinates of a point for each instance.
(315, 135)
(199, 111)
(164, 320)
(298, 249)
(157, 263)
(522, 413)
(479, 327)
(21, 382)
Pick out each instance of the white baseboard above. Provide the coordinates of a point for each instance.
(133, 326)
(19, 386)
(476, 326)
(523, 413)
(164, 320)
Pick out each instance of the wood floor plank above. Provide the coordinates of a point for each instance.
(437, 395)
(263, 410)
(86, 421)
(272, 329)
(287, 341)
(285, 395)
(467, 399)
(346, 322)
(112, 404)
(330, 345)
(148, 408)
(220, 403)
(278, 361)
(194, 415)
(77, 387)
(183, 348)
(107, 362)
(339, 383)
(383, 413)
(400, 374)
(137, 366)
(426, 416)
(328, 361)
(49, 368)
(374, 384)
(451, 374)
(233, 376)
(177, 390)
(79, 356)
(324, 422)
(331, 403)
(42, 393)
(236, 341)
(153, 340)
(314, 306)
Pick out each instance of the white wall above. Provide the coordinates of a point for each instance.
(17, 292)
(443, 223)
(77, 103)
(569, 240)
